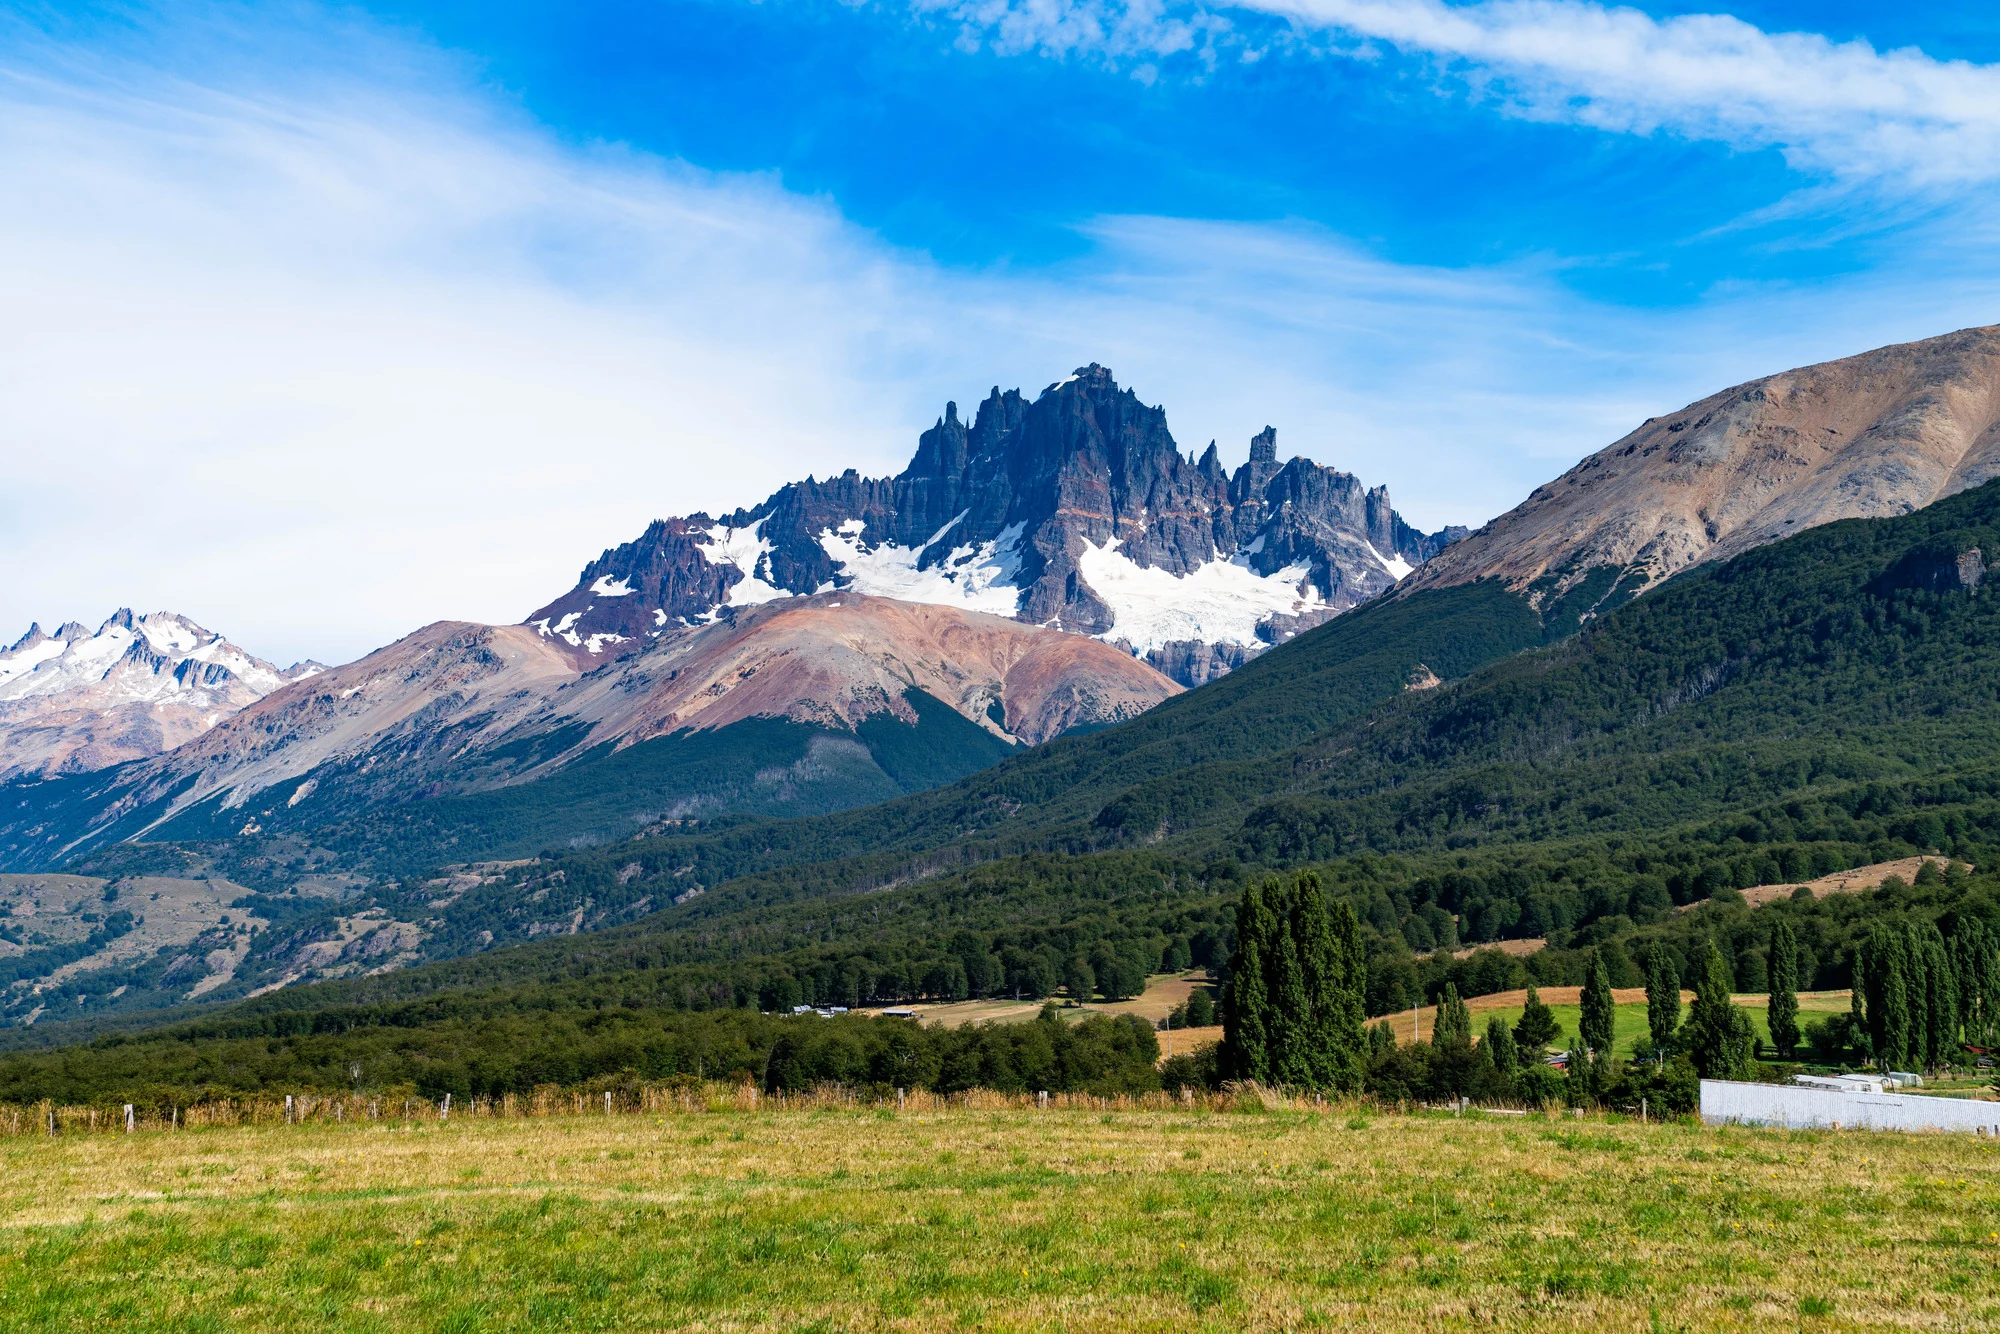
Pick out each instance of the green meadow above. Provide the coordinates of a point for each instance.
(1630, 1020)
(999, 1219)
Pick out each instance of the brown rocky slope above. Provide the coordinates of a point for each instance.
(437, 709)
(1882, 433)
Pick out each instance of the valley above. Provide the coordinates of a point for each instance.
(481, 813)
(1457, 788)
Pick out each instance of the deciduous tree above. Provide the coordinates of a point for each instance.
(1718, 1036)
(1782, 1008)
(1663, 996)
(1598, 1023)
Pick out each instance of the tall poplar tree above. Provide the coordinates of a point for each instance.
(1500, 1046)
(1718, 1035)
(1663, 995)
(1885, 968)
(1597, 1026)
(1965, 970)
(1857, 997)
(1782, 1009)
(1917, 986)
(1246, 1000)
(1319, 969)
(1289, 1018)
(1454, 1021)
(1940, 999)
(1339, 995)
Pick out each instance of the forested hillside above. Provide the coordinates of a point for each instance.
(1826, 702)
(1045, 797)
(376, 871)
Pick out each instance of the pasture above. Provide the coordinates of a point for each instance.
(998, 1217)
(1629, 1017)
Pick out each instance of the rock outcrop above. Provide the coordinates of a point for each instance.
(1075, 511)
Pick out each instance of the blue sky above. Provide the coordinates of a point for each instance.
(982, 157)
(329, 321)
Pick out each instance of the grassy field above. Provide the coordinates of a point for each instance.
(999, 1219)
(1629, 1020)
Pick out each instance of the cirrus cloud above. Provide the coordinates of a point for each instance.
(1841, 108)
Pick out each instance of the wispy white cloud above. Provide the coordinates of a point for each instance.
(1142, 29)
(319, 358)
(1840, 108)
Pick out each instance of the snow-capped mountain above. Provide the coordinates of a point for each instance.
(136, 686)
(1076, 511)
(458, 708)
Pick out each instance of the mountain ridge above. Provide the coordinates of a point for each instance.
(1879, 433)
(458, 708)
(137, 686)
(1075, 511)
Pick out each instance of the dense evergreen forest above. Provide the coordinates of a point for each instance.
(1822, 703)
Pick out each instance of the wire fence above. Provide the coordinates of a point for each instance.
(321, 1109)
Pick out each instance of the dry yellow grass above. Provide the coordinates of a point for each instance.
(1163, 992)
(1519, 949)
(999, 1218)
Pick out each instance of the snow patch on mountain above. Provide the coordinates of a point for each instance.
(562, 629)
(1220, 602)
(169, 634)
(25, 658)
(607, 587)
(745, 548)
(972, 577)
(1395, 565)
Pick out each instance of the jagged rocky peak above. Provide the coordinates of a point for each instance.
(1076, 510)
(135, 686)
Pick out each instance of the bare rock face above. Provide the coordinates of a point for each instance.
(1879, 434)
(460, 707)
(136, 686)
(1076, 511)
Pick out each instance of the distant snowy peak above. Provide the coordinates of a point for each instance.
(136, 686)
(143, 655)
(1076, 511)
